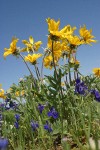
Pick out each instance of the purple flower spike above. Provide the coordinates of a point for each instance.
(16, 124)
(17, 117)
(3, 143)
(47, 127)
(7, 100)
(40, 108)
(77, 80)
(2, 105)
(34, 125)
(53, 113)
(80, 88)
(96, 94)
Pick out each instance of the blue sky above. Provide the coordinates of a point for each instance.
(22, 18)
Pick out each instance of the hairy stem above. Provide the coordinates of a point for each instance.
(37, 72)
(28, 69)
(53, 59)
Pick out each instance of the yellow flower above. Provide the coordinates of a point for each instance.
(87, 35)
(55, 33)
(62, 84)
(31, 45)
(48, 61)
(37, 45)
(96, 71)
(53, 26)
(19, 93)
(74, 40)
(22, 92)
(77, 62)
(67, 31)
(32, 58)
(2, 94)
(74, 61)
(13, 49)
(65, 47)
(57, 48)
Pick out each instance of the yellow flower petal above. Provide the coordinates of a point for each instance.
(31, 40)
(25, 42)
(32, 58)
(13, 48)
(47, 61)
(7, 53)
(37, 45)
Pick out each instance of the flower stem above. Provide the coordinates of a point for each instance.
(37, 72)
(66, 80)
(53, 59)
(28, 69)
(42, 65)
(69, 73)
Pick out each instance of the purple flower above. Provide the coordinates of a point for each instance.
(16, 124)
(11, 104)
(40, 108)
(92, 91)
(7, 100)
(80, 88)
(15, 105)
(17, 117)
(3, 143)
(78, 80)
(53, 113)
(96, 94)
(47, 127)
(34, 125)
(7, 107)
(2, 105)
